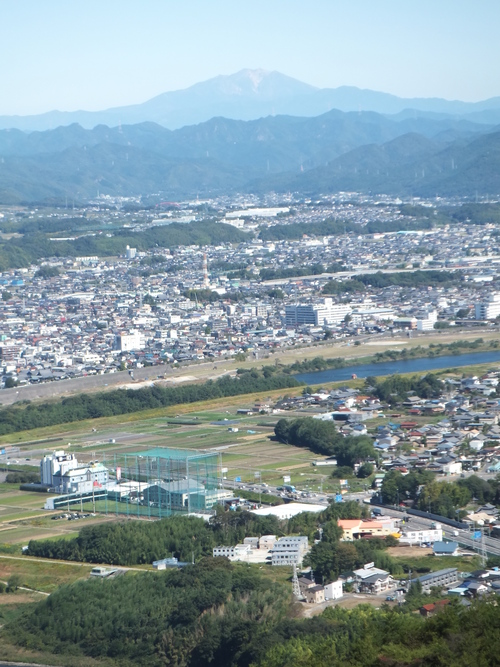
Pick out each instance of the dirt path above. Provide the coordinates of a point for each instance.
(49, 561)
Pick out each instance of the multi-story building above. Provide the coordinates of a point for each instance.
(58, 463)
(445, 577)
(130, 341)
(317, 314)
(420, 536)
(81, 480)
(289, 550)
(489, 309)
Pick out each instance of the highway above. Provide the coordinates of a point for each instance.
(464, 537)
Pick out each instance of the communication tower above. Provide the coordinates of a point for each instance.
(205, 270)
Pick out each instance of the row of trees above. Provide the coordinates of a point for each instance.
(137, 542)
(322, 437)
(444, 498)
(119, 402)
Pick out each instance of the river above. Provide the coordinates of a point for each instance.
(400, 366)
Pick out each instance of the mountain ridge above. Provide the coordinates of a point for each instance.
(248, 95)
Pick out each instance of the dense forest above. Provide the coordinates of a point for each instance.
(125, 401)
(333, 227)
(398, 279)
(216, 613)
(211, 613)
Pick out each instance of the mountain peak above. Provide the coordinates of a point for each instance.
(252, 83)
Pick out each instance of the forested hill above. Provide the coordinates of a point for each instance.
(360, 150)
(227, 615)
(410, 164)
(36, 244)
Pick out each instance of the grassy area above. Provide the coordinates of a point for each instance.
(419, 565)
(40, 575)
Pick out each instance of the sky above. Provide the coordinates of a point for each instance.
(97, 54)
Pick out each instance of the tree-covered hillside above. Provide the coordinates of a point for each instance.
(227, 615)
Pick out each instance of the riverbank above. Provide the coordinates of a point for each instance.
(453, 349)
(400, 367)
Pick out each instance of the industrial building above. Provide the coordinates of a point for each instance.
(58, 463)
(62, 473)
(81, 480)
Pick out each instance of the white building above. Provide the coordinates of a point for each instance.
(289, 510)
(419, 536)
(57, 463)
(81, 480)
(130, 341)
(130, 253)
(289, 550)
(488, 310)
(317, 314)
(452, 468)
(239, 552)
(334, 590)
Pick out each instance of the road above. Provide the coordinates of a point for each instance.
(464, 538)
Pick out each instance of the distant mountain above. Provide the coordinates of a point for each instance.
(213, 157)
(251, 94)
(410, 164)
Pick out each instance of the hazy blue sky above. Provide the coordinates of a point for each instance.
(94, 54)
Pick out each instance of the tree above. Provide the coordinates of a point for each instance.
(47, 272)
(10, 383)
(365, 470)
(13, 583)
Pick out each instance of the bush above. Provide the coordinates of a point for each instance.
(342, 472)
(13, 583)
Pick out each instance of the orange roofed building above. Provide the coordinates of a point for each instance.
(354, 529)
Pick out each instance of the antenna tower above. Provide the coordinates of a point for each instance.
(205, 270)
(295, 584)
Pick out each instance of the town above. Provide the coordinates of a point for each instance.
(77, 316)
